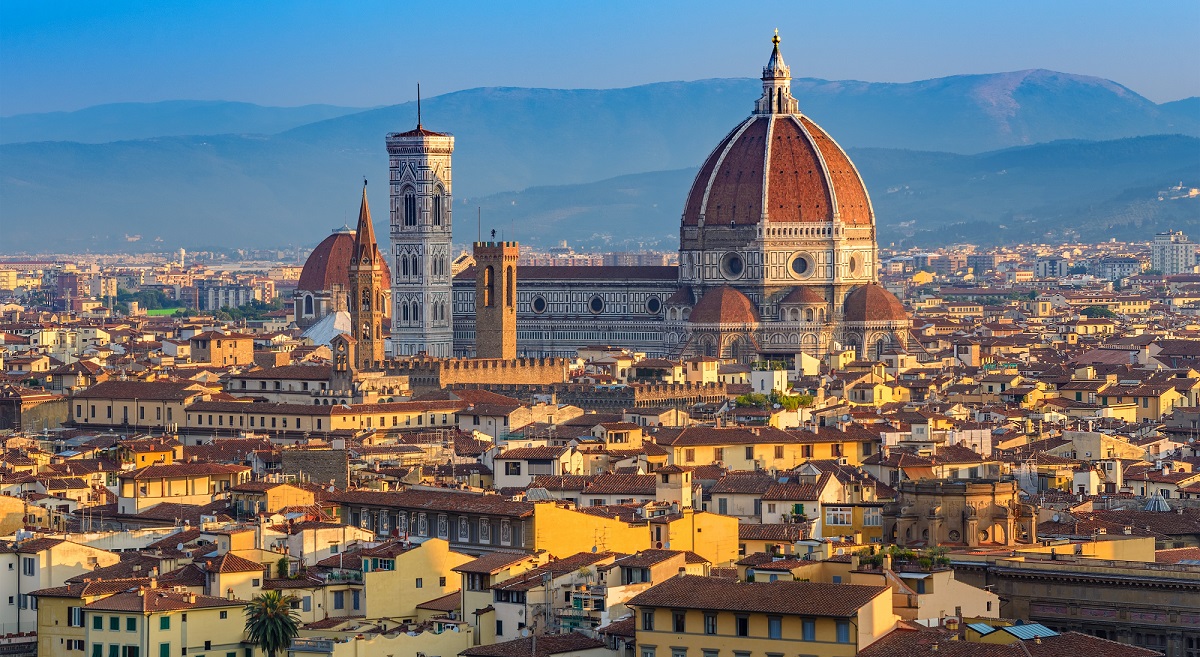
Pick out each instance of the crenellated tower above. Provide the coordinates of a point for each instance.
(422, 317)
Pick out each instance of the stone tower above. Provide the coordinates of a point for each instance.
(496, 299)
(367, 298)
(422, 318)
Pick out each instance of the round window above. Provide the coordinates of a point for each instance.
(801, 266)
(732, 265)
(538, 304)
(653, 305)
(853, 264)
(596, 305)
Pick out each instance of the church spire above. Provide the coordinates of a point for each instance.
(777, 85)
(364, 237)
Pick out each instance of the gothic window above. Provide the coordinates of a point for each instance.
(366, 301)
(414, 265)
(366, 330)
(404, 312)
(416, 312)
(437, 208)
(410, 208)
(404, 266)
(489, 286)
(509, 296)
(308, 304)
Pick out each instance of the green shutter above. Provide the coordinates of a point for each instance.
(164, 650)
(97, 650)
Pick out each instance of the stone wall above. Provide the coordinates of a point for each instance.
(318, 465)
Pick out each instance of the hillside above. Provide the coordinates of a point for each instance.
(293, 183)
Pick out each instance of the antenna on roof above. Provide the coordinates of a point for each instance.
(418, 106)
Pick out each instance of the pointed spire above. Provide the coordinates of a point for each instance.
(364, 237)
(776, 68)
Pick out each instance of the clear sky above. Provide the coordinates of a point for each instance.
(68, 55)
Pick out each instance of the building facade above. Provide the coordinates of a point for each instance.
(1173, 253)
(777, 258)
(421, 208)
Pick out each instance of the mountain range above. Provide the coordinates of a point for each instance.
(946, 159)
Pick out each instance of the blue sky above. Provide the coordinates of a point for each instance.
(68, 55)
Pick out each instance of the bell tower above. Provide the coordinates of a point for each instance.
(496, 299)
(422, 316)
(367, 297)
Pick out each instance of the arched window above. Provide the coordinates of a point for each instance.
(415, 269)
(308, 305)
(509, 293)
(489, 286)
(410, 208)
(808, 315)
(437, 208)
(416, 312)
(404, 266)
(365, 304)
(366, 330)
(404, 312)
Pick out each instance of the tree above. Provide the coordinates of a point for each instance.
(1097, 311)
(271, 624)
(282, 567)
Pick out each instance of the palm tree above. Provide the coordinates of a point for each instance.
(271, 624)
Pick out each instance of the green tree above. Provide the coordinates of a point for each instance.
(271, 624)
(282, 567)
(755, 399)
(1097, 311)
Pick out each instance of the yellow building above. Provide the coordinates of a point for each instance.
(695, 615)
(397, 578)
(254, 497)
(136, 404)
(60, 625)
(158, 622)
(179, 483)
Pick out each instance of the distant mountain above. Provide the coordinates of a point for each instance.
(1055, 191)
(246, 189)
(123, 121)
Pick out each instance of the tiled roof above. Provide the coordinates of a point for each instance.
(872, 303)
(142, 390)
(449, 602)
(91, 588)
(781, 532)
(437, 501)
(724, 305)
(153, 600)
(547, 645)
(491, 563)
(794, 598)
(532, 579)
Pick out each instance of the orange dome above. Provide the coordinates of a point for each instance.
(872, 303)
(809, 178)
(724, 305)
(777, 166)
(329, 264)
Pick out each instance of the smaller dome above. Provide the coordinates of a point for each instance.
(724, 305)
(329, 264)
(802, 295)
(872, 303)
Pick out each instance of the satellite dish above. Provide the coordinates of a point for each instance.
(1055, 518)
(593, 549)
(524, 632)
(667, 545)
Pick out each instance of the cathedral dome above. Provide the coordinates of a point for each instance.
(802, 295)
(872, 303)
(724, 305)
(329, 264)
(779, 167)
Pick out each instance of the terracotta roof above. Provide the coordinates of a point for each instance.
(329, 264)
(872, 303)
(143, 390)
(91, 588)
(436, 501)
(794, 598)
(808, 177)
(724, 305)
(491, 563)
(232, 563)
(803, 294)
(153, 600)
(781, 532)
(449, 602)
(547, 645)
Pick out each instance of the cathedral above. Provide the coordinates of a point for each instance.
(777, 257)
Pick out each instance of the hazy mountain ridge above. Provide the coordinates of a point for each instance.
(124, 121)
(293, 186)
